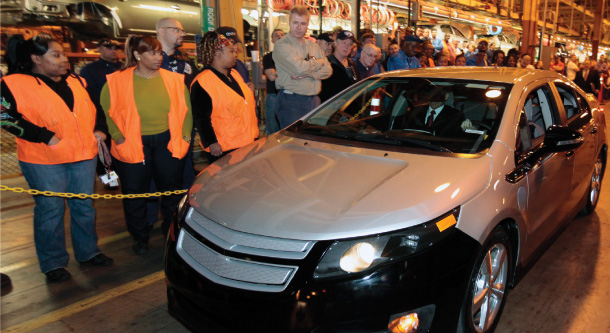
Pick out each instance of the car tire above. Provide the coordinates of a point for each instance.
(493, 266)
(595, 186)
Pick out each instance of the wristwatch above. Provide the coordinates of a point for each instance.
(187, 138)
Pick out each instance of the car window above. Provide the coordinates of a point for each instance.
(399, 112)
(569, 101)
(446, 29)
(537, 115)
(458, 33)
(575, 105)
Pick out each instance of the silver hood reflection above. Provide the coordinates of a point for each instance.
(317, 191)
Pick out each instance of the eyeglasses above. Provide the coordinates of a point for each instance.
(175, 29)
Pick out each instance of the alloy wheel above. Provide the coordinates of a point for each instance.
(596, 182)
(489, 288)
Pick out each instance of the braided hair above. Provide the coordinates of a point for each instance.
(140, 44)
(211, 43)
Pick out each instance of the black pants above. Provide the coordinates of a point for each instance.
(160, 166)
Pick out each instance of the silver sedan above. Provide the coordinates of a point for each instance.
(411, 201)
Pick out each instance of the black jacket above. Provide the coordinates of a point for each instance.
(448, 123)
(592, 78)
(340, 79)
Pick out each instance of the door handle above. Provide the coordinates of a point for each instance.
(569, 153)
(176, 7)
(594, 130)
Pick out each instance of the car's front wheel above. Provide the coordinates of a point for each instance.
(595, 186)
(488, 285)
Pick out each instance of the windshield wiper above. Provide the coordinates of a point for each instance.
(379, 138)
(322, 131)
(402, 141)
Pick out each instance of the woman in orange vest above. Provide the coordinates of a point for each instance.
(223, 105)
(54, 121)
(149, 118)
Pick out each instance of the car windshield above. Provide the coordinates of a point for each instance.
(432, 114)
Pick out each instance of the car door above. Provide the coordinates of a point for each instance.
(578, 118)
(547, 176)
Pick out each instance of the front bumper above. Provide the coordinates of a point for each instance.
(432, 283)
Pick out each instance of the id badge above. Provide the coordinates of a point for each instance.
(110, 178)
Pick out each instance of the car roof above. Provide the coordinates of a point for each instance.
(491, 74)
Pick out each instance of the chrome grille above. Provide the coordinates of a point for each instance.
(221, 269)
(241, 242)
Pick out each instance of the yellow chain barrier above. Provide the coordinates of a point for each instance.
(92, 196)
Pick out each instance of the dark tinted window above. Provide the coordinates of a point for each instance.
(569, 100)
(537, 115)
(396, 111)
(575, 105)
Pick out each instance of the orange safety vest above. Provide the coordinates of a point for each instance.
(233, 117)
(124, 114)
(40, 105)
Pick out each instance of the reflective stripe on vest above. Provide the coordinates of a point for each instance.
(124, 114)
(40, 105)
(233, 117)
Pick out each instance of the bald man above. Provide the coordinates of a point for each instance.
(367, 60)
(171, 35)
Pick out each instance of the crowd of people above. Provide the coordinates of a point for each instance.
(147, 108)
(307, 80)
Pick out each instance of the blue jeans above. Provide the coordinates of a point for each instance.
(270, 106)
(291, 107)
(49, 237)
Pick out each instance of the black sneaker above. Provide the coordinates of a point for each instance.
(99, 260)
(58, 275)
(139, 247)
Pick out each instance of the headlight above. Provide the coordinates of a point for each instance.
(344, 257)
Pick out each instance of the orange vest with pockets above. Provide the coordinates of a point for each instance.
(233, 117)
(125, 115)
(40, 105)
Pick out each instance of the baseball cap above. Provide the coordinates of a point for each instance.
(229, 32)
(346, 34)
(109, 43)
(326, 37)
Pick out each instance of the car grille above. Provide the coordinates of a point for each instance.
(234, 272)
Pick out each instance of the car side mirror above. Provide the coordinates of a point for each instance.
(562, 139)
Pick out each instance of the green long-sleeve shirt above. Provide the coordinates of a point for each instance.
(153, 103)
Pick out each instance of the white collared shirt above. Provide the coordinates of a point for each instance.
(436, 112)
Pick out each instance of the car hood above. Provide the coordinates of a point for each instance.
(323, 192)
